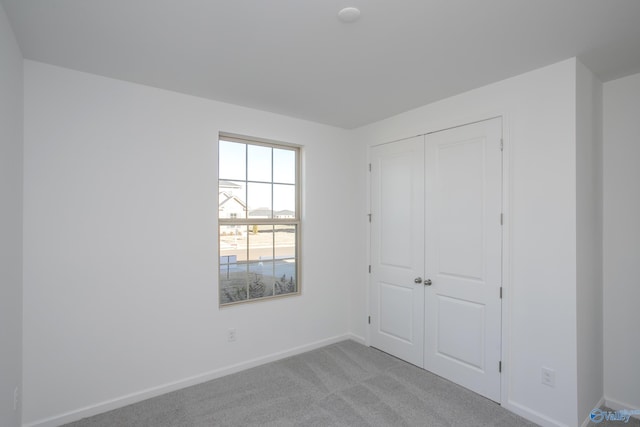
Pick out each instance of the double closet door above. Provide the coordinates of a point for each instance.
(436, 253)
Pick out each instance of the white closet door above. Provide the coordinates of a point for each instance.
(463, 255)
(397, 249)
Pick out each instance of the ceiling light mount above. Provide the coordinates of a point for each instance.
(349, 14)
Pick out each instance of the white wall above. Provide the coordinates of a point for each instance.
(120, 251)
(621, 237)
(589, 241)
(540, 134)
(120, 243)
(10, 222)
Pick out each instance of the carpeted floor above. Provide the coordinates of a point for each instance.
(344, 384)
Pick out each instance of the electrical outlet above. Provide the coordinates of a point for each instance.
(548, 377)
(16, 396)
(231, 335)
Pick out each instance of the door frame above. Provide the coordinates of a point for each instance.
(438, 126)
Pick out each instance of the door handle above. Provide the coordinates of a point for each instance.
(427, 282)
(418, 280)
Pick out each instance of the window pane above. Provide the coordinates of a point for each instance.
(233, 243)
(260, 242)
(262, 269)
(285, 241)
(284, 166)
(233, 275)
(234, 289)
(285, 272)
(259, 200)
(232, 161)
(284, 201)
(285, 261)
(231, 199)
(261, 281)
(259, 167)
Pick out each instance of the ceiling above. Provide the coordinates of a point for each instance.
(295, 57)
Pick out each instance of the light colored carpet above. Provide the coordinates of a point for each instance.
(344, 384)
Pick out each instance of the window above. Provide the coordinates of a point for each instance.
(258, 219)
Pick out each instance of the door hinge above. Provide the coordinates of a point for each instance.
(501, 219)
(369, 217)
(500, 366)
(369, 268)
(501, 144)
(369, 319)
(369, 167)
(500, 292)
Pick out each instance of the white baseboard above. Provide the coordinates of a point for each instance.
(531, 415)
(601, 402)
(139, 396)
(618, 406)
(357, 338)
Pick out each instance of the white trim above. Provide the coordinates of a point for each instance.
(357, 338)
(367, 324)
(532, 415)
(139, 396)
(505, 320)
(585, 423)
(616, 405)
